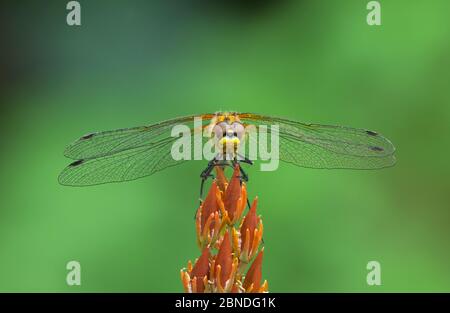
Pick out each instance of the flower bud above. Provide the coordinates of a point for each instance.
(253, 277)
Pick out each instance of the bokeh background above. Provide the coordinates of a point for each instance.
(137, 62)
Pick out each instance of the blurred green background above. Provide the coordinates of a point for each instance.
(134, 62)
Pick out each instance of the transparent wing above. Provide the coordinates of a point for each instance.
(124, 154)
(122, 166)
(326, 146)
(110, 142)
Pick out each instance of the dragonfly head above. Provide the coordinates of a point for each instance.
(228, 135)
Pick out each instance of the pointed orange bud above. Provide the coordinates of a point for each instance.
(233, 193)
(224, 261)
(222, 181)
(251, 231)
(201, 270)
(209, 206)
(235, 197)
(253, 278)
(194, 279)
(201, 267)
(250, 223)
(209, 222)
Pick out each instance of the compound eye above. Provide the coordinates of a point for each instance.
(220, 130)
(238, 129)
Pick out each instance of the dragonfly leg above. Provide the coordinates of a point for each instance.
(205, 174)
(244, 159)
(243, 173)
(245, 178)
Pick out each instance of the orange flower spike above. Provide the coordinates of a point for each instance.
(224, 262)
(217, 228)
(235, 196)
(253, 278)
(251, 233)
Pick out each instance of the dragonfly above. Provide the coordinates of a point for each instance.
(131, 153)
